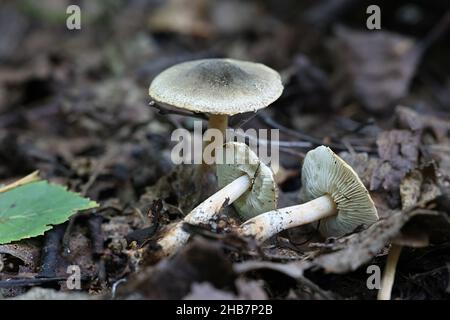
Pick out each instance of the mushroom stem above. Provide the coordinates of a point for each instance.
(176, 237)
(389, 272)
(218, 121)
(267, 224)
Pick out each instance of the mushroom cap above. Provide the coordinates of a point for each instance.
(217, 86)
(324, 172)
(239, 160)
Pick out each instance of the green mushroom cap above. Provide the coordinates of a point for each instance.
(324, 172)
(240, 160)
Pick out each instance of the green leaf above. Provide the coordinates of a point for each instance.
(30, 210)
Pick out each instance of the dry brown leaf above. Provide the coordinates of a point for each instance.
(419, 186)
(399, 153)
(358, 249)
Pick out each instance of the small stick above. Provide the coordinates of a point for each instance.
(25, 180)
(97, 236)
(51, 251)
(165, 111)
(13, 283)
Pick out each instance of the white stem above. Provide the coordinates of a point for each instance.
(176, 237)
(267, 224)
(389, 273)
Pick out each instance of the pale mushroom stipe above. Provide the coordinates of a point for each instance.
(246, 182)
(387, 281)
(335, 194)
(217, 87)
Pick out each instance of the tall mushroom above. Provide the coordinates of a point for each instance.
(337, 199)
(217, 87)
(246, 182)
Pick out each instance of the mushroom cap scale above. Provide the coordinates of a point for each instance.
(324, 172)
(240, 160)
(217, 86)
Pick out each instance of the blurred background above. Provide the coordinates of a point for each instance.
(70, 96)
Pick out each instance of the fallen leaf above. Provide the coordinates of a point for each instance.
(399, 153)
(358, 249)
(30, 210)
(419, 186)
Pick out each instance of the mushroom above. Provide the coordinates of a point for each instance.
(218, 87)
(246, 182)
(337, 199)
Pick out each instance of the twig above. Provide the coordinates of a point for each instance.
(296, 134)
(438, 31)
(27, 179)
(12, 283)
(166, 111)
(315, 141)
(51, 251)
(96, 232)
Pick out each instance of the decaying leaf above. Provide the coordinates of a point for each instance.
(419, 186)
(358, 249)
(399, 153)
(28, 253)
